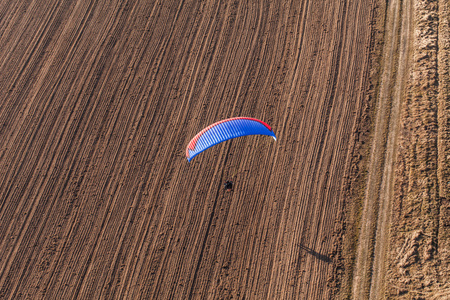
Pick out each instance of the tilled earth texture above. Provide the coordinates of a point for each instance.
(99, 100)
(418, 261)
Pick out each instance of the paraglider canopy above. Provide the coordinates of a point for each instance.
(224, 130)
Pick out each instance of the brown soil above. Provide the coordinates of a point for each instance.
(368, 280)
(403, 240)
(418, 260)
(98, 101)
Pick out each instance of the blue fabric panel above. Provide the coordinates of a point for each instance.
(227, 130)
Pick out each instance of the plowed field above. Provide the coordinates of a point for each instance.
(98, 101)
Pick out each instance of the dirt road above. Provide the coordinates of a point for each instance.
(404, 236)
(375, 219)
(98, 101)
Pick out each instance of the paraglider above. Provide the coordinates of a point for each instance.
(224, 130)
(228, 186)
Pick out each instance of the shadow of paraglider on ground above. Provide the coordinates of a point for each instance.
(316, 254)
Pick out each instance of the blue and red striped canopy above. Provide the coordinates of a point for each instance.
(224, 130)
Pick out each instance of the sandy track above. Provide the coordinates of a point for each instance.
(419, 228)
(375, 218)
(98, 102)
(404, 256)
